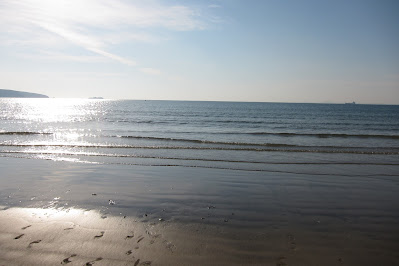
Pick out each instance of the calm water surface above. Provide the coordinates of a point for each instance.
(281, 137)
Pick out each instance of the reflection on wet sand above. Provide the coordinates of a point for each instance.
(60, 213)
(35, 236)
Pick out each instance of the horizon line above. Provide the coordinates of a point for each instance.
(176, 100)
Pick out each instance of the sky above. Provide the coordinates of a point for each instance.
(217, 50)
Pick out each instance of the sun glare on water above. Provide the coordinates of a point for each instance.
(54, 129)
(57, 110)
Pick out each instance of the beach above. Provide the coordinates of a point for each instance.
(68, 213)
(109, 182)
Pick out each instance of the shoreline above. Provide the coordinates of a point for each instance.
(192, 216)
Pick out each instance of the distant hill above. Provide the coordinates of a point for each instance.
(20, 94)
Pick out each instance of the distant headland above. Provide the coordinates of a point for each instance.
(20, 94)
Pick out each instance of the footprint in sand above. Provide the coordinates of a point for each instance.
(291, 241)
(100, 235)
(143, 263)
(66, 260)
(93, 261)
(281, 261)
(18, 237)
(141, 238)
(129, 252)
(130, 236)
(169, 246)
(23, 228)
(33, 242)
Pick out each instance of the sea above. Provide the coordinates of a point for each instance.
(303, 138)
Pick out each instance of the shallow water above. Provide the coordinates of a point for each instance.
(245, 199)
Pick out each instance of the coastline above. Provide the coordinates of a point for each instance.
(192, 216)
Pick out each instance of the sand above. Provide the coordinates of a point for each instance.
(31, 236)
(58, 213)
(78, 237)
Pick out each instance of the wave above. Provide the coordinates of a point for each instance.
(299, 149)
(23, 133)
(257, 144)
(91, 154)
(211, 167)
(137, 121)
(325, 135)
(280, 134)
(207, 141)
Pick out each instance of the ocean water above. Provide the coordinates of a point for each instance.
(334, 139)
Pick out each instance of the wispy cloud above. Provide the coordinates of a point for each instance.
(94, 25)
(151, 71)
(57, 56)
(214, 6)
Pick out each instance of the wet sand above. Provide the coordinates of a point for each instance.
(67, 213)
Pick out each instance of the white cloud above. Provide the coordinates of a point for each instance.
(94, 25)
(151, 71)
(131, 37)
(112, 56)
(58, 56)
(104, 14)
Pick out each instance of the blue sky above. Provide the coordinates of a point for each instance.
(228, 50)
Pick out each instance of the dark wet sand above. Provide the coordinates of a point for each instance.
(59, 213)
